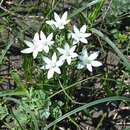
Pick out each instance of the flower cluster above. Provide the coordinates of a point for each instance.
(41, 42)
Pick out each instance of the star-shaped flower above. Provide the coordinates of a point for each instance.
(59, 22)
(67, 53)
(47, 41)
(34, 47)
(52, 65)
(88, 61)
(79, 35)
(39, 43)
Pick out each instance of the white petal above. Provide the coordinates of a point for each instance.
(50, 73)
(47, 60)
(57, 70)
(61, 51)
(60, 27)
(27, 50)
(36, 37)
(47, 66)
(80, 66)
(75, 37)
(59, 62)
(51, 23)
(42, 36)
(35, 53)
(93, 56)
(80, 57)
(54, 57)
(84, 52)
(67, 21)
(89, 67)
(74, 55)
(72, 49)
(29, 44)
(64, 16)
(46, 48)
(39, 47)
(85, 34)
(62, 58)
(76, 30)
(68, 60)
(83, 40)
(49, 38)
(66, 46)
(83, 29)
(51, 43)
(43, 67)
(96, 63)
(75, 42)
(57, 18)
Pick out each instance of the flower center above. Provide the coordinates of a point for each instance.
(86, 60)
(60, 24)
(67, 53)
(36, 47)
(53, 65)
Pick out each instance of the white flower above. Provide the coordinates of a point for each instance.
(52, 65)
(34, 47)
(88, 61)
(59, 22)
(39, 43)
(46, 41)
(79, 35)
(67, 53)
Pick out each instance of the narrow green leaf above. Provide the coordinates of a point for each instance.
(16, 92)
(4, 52)
(94, 13)
(119, 53)
(87, 105)
(27, 66)
(77, 11)
(19, 91)
(16, 78)
(126, 129)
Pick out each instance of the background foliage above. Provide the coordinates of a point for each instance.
(30, 102)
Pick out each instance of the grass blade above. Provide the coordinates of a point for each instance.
(119, 53)
(4, 52)
(94, 13)
(16, 92)
(87, 105)
(16, 78)
(77, 11)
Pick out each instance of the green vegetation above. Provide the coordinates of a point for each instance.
(63, 62)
